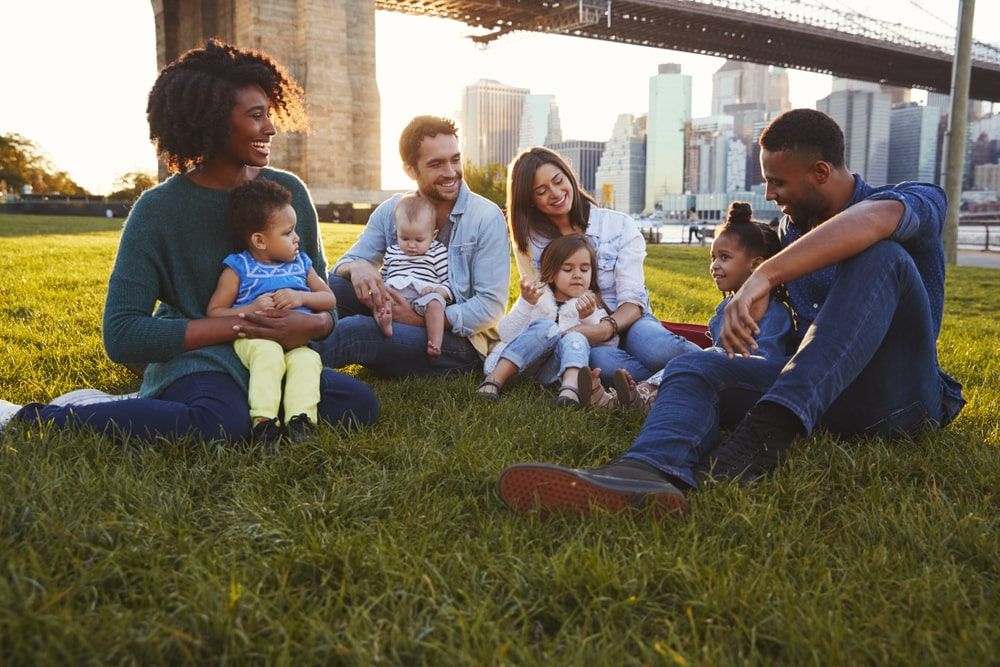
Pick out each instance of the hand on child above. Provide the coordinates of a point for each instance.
(741, 315)
(530, 290)
(586, 305)
(285, 298)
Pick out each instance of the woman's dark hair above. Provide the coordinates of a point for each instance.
(190, 104)
(251, 206)
(558, 251)
(419, 129)
(524, 218)
(808, 132)
(757, 238)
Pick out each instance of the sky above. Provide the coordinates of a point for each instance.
(77, 75)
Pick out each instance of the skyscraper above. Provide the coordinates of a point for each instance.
(490, 122)
(669, 110)
(913, 146)
(539, 122)
(862, 111)
(777, 92)
(987, 177)
(716, 156)
(738, 82)
(620, 179)
(583, 157)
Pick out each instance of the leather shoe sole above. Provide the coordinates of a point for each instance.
(550, 488)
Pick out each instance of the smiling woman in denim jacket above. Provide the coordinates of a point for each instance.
(544, 201)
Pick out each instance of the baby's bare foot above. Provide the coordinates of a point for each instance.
(383, 317)
(433, 349)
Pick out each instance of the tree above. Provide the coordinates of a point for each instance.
(22, 163)
(489, 181)
(130, 185)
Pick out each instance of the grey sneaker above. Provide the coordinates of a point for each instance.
(89, 397)
(7, 410)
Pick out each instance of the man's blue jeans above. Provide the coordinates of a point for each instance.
(543, 352)
(356, 339)
(867, 365)
(642, 350)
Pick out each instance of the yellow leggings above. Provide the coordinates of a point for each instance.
(268, 363)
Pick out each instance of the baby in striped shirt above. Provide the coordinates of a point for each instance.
(416, 267)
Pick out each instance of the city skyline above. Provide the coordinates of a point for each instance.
(83, 99)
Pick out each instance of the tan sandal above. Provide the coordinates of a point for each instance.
(594, 394)
(628, 396)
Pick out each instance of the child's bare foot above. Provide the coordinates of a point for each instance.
(383, 317)
(625, 385)
(433, 349)
(593, 393)
(632, 395)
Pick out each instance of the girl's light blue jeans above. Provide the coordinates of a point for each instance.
(544, 353)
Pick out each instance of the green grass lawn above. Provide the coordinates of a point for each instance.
(392, 546)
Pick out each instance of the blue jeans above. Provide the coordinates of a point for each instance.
(541, 351)
(204, 405)
(356, 339)
(642, 350)
(866, 366)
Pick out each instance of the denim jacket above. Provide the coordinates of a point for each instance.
(478, 262)
(620, 250)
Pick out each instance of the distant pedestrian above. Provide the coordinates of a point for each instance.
(694, 225)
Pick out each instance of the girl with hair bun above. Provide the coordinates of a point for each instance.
(741, 245)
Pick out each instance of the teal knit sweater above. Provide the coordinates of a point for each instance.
(171, 252)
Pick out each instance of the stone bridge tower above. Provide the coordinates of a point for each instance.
(329, 47)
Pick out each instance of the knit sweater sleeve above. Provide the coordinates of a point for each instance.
(516, 321)
(131, 333)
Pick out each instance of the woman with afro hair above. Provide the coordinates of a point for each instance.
(212, 114)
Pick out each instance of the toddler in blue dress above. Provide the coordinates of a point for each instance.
(271, 273)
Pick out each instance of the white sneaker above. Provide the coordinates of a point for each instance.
(7, 410)
(89, 397)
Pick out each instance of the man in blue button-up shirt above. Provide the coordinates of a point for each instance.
(864, 270)
(475, 232)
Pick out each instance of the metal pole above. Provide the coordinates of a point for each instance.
(955, 138)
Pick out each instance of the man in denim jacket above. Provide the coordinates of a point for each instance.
(864, 270)
(475, 232)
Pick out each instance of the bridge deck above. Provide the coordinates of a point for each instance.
(683, 25)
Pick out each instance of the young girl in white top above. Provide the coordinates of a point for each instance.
(539, 336)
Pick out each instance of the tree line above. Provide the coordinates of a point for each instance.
(22, 163)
